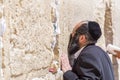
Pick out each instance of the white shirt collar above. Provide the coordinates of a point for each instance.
(78, 52)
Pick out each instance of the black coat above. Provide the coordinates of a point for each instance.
(92, 64)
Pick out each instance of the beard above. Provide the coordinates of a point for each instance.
(73, 45)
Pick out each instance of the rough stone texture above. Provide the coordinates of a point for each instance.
(27, 53)
(27, 48)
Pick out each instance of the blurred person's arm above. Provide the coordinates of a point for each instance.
(114, 50)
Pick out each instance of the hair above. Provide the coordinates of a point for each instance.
(84, 30)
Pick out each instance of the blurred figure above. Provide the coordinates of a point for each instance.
(114, 50)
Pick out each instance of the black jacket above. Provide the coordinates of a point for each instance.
(92, 64)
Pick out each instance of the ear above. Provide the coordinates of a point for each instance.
(82, 39)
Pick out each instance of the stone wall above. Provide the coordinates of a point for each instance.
(35, 32)
(27, 51)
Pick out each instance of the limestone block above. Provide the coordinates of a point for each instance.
(115, 20)
(30, 36)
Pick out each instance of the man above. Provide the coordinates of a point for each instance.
(90, 62)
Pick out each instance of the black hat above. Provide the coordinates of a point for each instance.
(94, 29)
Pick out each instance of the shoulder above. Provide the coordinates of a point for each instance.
(92, 52)
(92, 49)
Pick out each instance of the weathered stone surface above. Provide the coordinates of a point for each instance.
(29, 40)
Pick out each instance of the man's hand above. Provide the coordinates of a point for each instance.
(65, 63)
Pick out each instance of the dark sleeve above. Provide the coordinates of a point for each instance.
(69, 75)
(88, 68)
